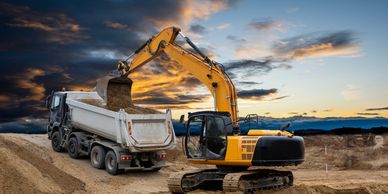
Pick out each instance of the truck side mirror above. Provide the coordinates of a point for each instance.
(182, 119)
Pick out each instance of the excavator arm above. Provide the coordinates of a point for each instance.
(208, 72)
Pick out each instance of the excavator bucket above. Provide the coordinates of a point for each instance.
(116, 91)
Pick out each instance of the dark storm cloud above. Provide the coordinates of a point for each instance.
(48, 45)
(318, 44)
(256, 94)
(197, 28)
(27, 125)
(263, 66)
(160, 97)
(253, 67)
(249, 83)
(278, 98)
(377, 109)
(85, 41)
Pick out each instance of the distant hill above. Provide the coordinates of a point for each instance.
(312, 125)
(300, 125)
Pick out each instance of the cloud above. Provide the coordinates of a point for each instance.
(26, 81)
(293, 113)
(256, 94)
(53, 45)
(190, 11)
(268, 24)
(313, 45)
(351, 92)
(377, 109)
(246, 68)
(368, 114)
(278, 98)
(248, 83)
(115, 25)
(202, 9)
(292, 10)
(25, 125)
(198, 29)
(223, 26)
(236, 39)
(58, 27)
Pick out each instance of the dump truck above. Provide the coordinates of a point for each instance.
(80, 123)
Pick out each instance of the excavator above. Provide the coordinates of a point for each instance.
(214, 137)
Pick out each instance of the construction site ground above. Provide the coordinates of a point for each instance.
(355, 164)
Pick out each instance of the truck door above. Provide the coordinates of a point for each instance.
(56, 110)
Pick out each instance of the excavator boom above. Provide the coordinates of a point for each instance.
(208, 72)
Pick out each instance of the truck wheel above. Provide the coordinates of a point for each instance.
(56, 142)
(111, 165)
(72, 148)
(97, 157)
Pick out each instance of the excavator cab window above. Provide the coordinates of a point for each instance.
(206, 137)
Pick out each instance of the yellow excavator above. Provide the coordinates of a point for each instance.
(214, 137)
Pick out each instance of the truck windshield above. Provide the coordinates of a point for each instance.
(55, 102)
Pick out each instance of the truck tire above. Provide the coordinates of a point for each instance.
(111, 165)
(56, 142)
(72, 148)
(97, 157)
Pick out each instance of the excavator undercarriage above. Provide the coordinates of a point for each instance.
(229, 181)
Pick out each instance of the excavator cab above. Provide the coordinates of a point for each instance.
(206, 135)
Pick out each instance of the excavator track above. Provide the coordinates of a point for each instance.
(246, 181)
(250, 181)
(175, 181)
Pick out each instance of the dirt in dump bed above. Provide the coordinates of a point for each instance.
(131, 109)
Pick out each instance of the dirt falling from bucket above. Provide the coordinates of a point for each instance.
(119, 95)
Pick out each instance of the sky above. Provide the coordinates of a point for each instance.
(299, 58)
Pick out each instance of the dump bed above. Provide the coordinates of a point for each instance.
(139, 132)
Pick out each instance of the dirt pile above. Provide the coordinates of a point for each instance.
(24, 171)
(132, 109)
(358, 152)
(29, 165)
